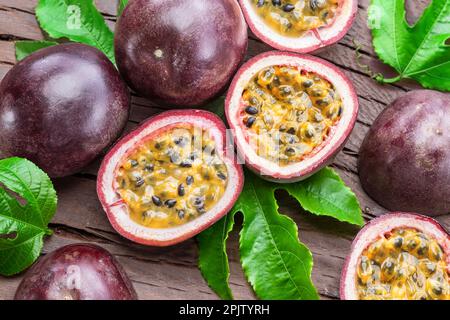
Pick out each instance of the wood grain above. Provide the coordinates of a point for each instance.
(172, 273)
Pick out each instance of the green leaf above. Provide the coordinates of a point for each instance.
(213, 258)
(276, 263)
(25, 48)
(418, 52)
(325, 194)
(77, 20)
(27, 204)
(322, 194)
(122, 5)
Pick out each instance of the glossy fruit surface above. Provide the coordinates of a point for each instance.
(405, 158)
(276, 27)
(290, 114)
(183, 52)
(170, 179)
(398, 256)
(61, 107)
(76, 272)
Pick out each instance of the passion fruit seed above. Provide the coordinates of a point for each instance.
(403, 265)
(172, 179)
(291, 113)
(295, 17)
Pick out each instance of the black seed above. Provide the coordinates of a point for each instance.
(170, 203)
(186, 164)
(201, 210)
(251, 110)
(158, 145)
(307, 83)
(250, 121)
(222, 176)
(323, 102)
(260, 3)
(181, 190)
(276, 2)
(180, 141)
(398, 242)
(325, 15)
(189, 180)
(288, 7)
(139, 182)
(174, 157)
(291, 130)
(282, 128)
(157, 201)
(437, 289)
(134, 163)
(199, 202)
(149, 167)
(340, 112)
(181, 214)
(313, 4)
(289, 151)
(123, 183)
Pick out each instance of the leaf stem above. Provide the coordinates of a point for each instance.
(381, 79)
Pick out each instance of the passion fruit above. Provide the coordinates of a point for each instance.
(170, 179)
(60, 107)
(398, 256)
(76, 272)
(299, 25)
(290, 114)
(405, 158)
(183, 52)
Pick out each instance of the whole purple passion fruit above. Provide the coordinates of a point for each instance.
(405, 158)
(182, 52)
(60, 107)
(76, 272)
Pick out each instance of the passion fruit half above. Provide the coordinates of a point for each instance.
(170, 179)
(299, 25)
(76, 272)
(398, 256)
(182, 52)
(290, 114)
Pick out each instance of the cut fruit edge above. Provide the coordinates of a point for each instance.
(311, 40)
(117, 211)
(380, 226)
(331, 146)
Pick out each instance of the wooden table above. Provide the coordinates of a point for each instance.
(172, 273)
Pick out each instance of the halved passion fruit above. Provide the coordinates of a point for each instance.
(299, 25)
(170, 179)
(290, 114)
(398, 256)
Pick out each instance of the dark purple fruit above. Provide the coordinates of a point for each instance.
(405, 159)
(60, 107)
(183, 52)
(76, 272)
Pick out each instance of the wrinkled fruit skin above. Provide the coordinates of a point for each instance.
(405, 158)
(76, 272)
(380, 226)
(182, 52)
(60, 107)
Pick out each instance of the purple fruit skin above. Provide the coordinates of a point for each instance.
(181, 52)
(60, 107)
(405, 158)
(76, 272)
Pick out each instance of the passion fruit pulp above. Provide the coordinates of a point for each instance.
(405, 158)
(61, 107)
(398, 256)
(290, 114)
(170, 179)
(299, 25)
(183, 52)
(76, 272)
